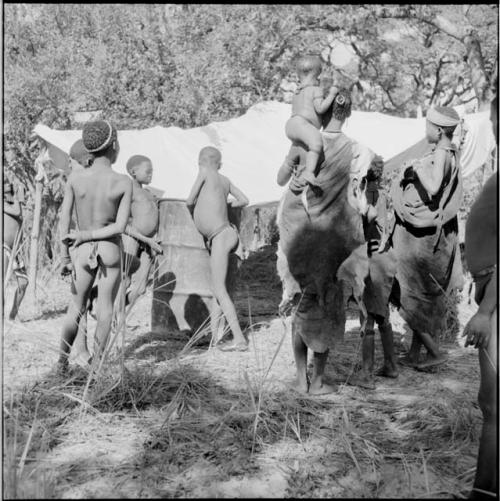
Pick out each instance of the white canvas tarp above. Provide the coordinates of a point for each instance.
(254, 145)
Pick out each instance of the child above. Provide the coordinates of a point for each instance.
(426, 199)
(378, 285)
(102, 201)
(139, 247)
(79, 159)
(12, 231)
(307, 107)
(207, 203)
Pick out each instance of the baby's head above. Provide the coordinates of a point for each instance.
(79, 156)
(101, 139)
(140, 168)
(309, 65)
(441, 120)
(210, 157)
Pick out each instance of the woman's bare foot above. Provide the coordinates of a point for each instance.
(387, 371)
(407, 361)
(362, 380)
(320, 388)
(299, 385)
(432, 361)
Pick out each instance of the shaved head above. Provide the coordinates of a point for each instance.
(209, 156)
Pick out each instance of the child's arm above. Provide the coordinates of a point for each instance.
(133, 232)
(241, 199)
(110, 230)
(431, 175)
(320, 104)
(195, 191)
(64, 223)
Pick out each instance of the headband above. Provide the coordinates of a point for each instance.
(441, 120)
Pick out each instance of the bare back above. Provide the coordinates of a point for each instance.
(144, 211)
(210, 211)
(303, 104)
(97, 194)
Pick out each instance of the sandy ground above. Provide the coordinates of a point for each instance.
(102, 454)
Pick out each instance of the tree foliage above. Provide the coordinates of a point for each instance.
(187, 65)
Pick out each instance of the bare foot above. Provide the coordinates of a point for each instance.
(62, 368)
(407, 361)
(432, 361)
(232, 346)
(387, 371)
(362, 380)
(321, 389)
(83, 359)
(299, 386)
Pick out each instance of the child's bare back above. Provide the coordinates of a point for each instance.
(210, 212)
(303, 104)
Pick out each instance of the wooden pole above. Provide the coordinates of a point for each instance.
(35, 234)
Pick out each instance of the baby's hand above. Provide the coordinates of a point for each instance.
(66, 266)
(309, 177)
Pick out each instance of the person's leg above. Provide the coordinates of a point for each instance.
(22, 284)
(107, 289)
(300, 355)
(434, 356)
(487, 460)
(217, 322)
(412, 357)
(221, 247)
(317, 386)
(77, 306)
(364, 377)
(80, 345)
(139, 280)
(390, 367)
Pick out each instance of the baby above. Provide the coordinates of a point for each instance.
(307, 107)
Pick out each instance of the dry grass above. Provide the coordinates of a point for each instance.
(353, 444)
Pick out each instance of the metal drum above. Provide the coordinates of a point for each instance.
(181, 289)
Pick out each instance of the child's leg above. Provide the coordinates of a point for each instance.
(22, 284)
(318, 387)
(107, 285)
(390, 367)
(216, 321)
(300, 355)
(364, 377)
(80, 345)
(139, 279)
(221, 247)
(77, 306)
(487, 461)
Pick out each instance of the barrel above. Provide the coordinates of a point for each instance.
(182, 293)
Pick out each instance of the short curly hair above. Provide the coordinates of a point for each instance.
(342, 104)
(98, 136)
